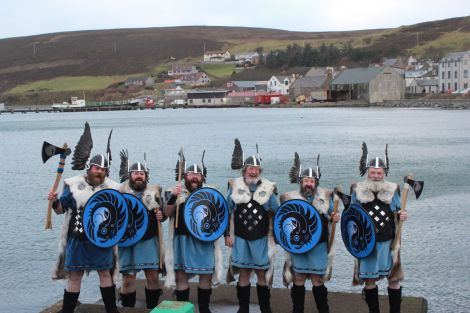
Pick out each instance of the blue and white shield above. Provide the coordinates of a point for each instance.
(137, 221)
(358, 231)
(297, 226)
(206, 214)
(105, 218)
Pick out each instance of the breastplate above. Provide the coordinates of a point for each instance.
(383, 219)
(250, 220)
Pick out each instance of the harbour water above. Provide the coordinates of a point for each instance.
(432, 144)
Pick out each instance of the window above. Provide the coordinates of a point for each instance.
(448, 86)
(455, 86)
(208, 100)
(191, 101)
(455, 74)
(443, 75)
(448, 74)
(465, 73)
(203, 100)
(443, 87)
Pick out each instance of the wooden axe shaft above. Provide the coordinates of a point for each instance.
(403, 209)
(160, 244)
(180, 165)
(60, 170)
(333, 226)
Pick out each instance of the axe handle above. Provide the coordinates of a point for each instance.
(160, 244)
(180, 165)
(333, 226)
(403, 209)
(60, 169)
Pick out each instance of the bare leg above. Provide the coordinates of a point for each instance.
(128, 283)
(244, 277)
(74, 282)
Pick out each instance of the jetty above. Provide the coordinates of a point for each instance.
(224, 300)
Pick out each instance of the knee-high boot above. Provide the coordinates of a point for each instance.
(297, 294)
(203, 299)
(243, 295)
(70, 301)
(182, 295)
(109, 298)
(320, 294)
(152, 296)
(127, 299)
(394, 300)
(372, 299)
(264, 298)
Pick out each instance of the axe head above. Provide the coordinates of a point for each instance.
(49, 150)
(346, 199)
(416, 185)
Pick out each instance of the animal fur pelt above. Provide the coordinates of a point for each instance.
(241, 192)
(385, 191)
(81, 191)
(321, 202)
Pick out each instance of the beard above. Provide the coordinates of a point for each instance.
(192, 184)
(249, 180)
(138, 184)
(95, 179)
(375, 186)
(307, 191)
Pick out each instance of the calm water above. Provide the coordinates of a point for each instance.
(433, 144)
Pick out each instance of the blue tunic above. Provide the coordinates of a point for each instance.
(193, 255)
(314, 261)
(82, 255)
(379, 263)
(251, 253)
(141, 256)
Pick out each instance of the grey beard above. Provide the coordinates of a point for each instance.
(375, 186)
(307, 192)
(252, 180)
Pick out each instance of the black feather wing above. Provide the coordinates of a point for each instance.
(180, 165)
(124, 167)
(294, 171)
(82, 150)
(363, 162)
(237, 156)
(108, 148)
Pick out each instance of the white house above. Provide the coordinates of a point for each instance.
(280, 84)
(454, 71)
(216, 56)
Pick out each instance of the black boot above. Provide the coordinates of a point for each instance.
(152, 296)
(182, 295)
(109, 299)
(372, 299)
(127, 299)
(243, 295)
(264, 298)
(394, 300)
(320, 294)
(297, 294)
(203, 299)
(70, 301)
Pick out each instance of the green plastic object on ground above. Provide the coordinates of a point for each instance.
(174, 307)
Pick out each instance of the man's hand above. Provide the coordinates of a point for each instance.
(158, 214)
(228, 242)
(52, 196)
(403, 215)
(335, 217)
(176, 190)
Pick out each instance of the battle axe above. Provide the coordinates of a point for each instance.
(48, 151)
(417, 187)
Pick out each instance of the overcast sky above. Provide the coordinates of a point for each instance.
(32, 17)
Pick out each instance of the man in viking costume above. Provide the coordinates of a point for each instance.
(381, 200)
(317, 262)
(251, 200)
(145, 254)
(77, 253)
(186, 255)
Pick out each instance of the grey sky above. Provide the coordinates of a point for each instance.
(31, 17)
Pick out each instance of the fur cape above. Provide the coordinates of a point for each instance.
(170, 280)
(241, 194)
(151, 198)
(81, 192)
(322, 203)
(364, 194)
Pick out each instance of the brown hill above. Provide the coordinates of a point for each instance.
(130, 51)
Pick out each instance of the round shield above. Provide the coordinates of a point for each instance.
(297, 226)
(105, 218)
(206, 214)
(137, 221)
(358, 231)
